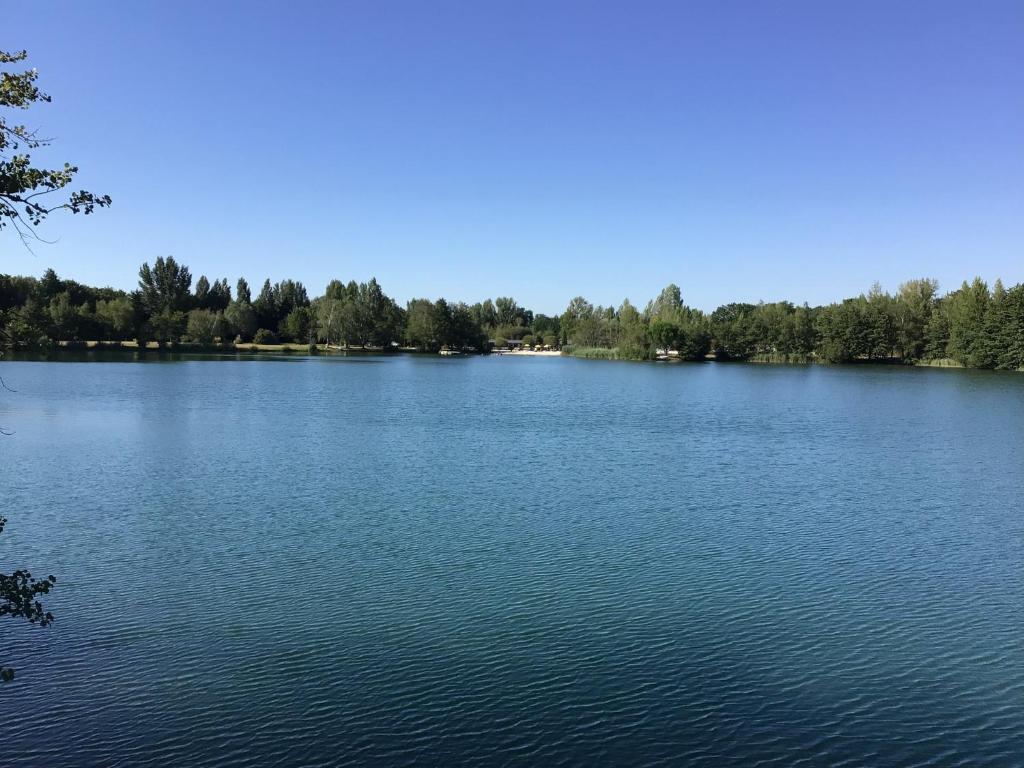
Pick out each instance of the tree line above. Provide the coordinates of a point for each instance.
(167, 308)
(976, 325)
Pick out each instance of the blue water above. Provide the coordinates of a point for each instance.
(500, 561)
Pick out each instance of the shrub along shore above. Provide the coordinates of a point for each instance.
(974, 326)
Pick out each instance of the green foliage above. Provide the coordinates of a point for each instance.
(973, 326)
(168, 326)
(278, 300)
(967, 309)
(327, 311)
(240, 319)
(212, 296)
(242, 292)
(419, 324)
(841, 332)
(508, 313)
(263, 336)
(738, 331)
(594, 353)
(912, 313)
(202, 326)
(667, 324)
(632, 336)
(26, 326)
(582, 324)
(25, 189)
(116, 316)
(19, 599)
(357, 314)
(936, 332)
(297, 325)
(547, 327)
(1011, 355)
(430, 326)
(63, 317)
(202, 293)
(164, 287)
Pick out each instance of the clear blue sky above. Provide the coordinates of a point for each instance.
(744, 150)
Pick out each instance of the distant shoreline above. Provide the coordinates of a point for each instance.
(530, 353)
(976, 325)
(129, 351)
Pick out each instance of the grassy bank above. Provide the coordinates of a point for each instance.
(594, 353)
(87, 350)
(183, 346)
(779, 357)
(196, 348)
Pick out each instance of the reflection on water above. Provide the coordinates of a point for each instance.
(534, 561)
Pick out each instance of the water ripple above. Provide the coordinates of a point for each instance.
(495, 562)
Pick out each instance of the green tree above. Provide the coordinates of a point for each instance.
(241, 318)
(912, 310)
(967, 310)
(328, 313)
(1012, 353)
(202, 293)
(842, 331)
(578, 323)
(220, 295)
(117, 317)
(164, 287)
(296, 325)
(223, 330)
(732, 328)
(466, 332)
(997, 335)
(63, 318)
(50, 285)
(665, 334)
(546, 327)
(264, 336)
(632, 338)
(15, 291)
(202, 326)
(804, 337)
(879, 328)
(242, 291)
(167, 326)
(290, 295)
(28, 193)
(420, 330)
(265, 306)
(27, 326)
(443, 336)
(488, 315)
(509, 314)
(668, 306)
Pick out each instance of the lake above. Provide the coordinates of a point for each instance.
(500, 561)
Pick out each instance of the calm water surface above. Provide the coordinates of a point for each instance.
(387, 561)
